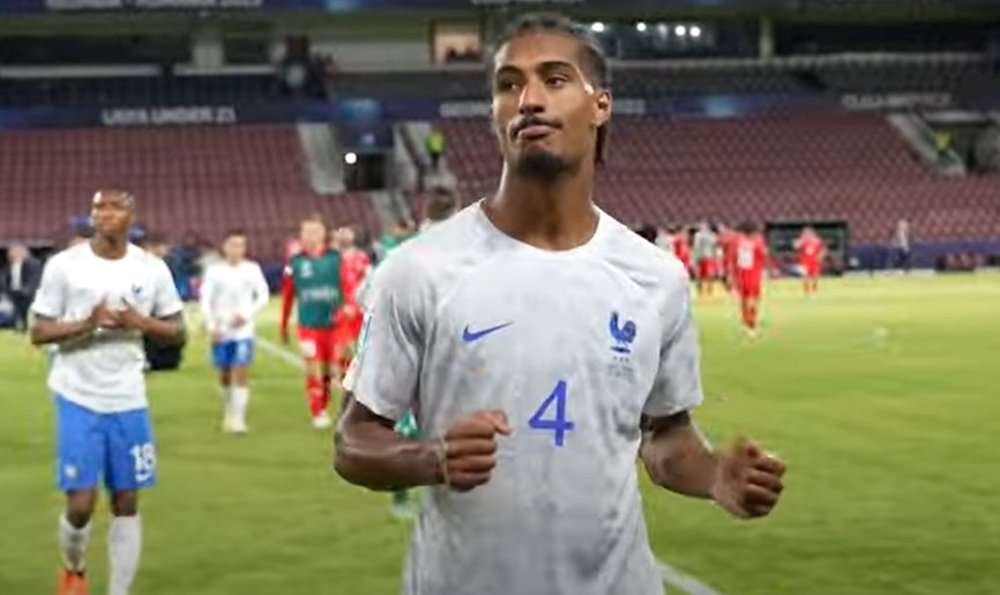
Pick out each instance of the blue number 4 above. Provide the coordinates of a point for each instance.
(559, 424)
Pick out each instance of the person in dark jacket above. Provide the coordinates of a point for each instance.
(20, 280)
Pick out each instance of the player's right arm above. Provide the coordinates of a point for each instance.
(371, 454)
(383, 384)
(205, 299)
(49, 308)
(287, 298)
(46, 330)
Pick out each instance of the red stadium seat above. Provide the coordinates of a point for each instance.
(200, 179)
(770, 167)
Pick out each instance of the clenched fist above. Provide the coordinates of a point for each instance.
(467, 451)
(748, 481)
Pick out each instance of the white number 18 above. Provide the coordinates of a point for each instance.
(144, 456)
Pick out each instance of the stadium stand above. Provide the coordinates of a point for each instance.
(964, 75)
(138, 90)
(204, 180)
(771, 167)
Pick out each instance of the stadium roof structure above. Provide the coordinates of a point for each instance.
(883, 7)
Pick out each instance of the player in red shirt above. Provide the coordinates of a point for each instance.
(727, 242)
(354, 268)
(811, 252)
(682, 247)
(313, 280)
(751, 259)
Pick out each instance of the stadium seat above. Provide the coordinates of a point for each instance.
(781, 166)
(204, 180)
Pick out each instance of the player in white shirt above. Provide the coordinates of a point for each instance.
(233, 292)
(97, 301)
(705, 251)
(543, 346)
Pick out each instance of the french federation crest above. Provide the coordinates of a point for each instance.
(623, 334)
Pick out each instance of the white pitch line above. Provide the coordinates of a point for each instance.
(685, 582)
(670, 575)
(281, 353)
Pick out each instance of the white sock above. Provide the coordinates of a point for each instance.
(124, 546)
(73, 544)
(241, 397)
(227, 402)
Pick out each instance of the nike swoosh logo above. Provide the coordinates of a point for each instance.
(470, 336)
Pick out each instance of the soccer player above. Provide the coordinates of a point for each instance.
(354, 268)
(544, 346)
(440, 207)
(232, 293)
(96, 301)
(811, 250)
(706, 254)
(682, 247)
(312, 278)
(751, 260)
(727, 247)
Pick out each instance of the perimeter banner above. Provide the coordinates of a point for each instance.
(366, 113)
(352, 5)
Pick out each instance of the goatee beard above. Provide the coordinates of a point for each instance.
(543, 167)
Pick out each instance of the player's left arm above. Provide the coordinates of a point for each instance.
(169, 330)
(166, 322)
(743, 480)
(677, 456)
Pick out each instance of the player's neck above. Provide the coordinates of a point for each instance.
(234, 263)
(109, 247)
(557, 216)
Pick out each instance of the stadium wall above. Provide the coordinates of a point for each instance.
(376, 109)
(925, 255)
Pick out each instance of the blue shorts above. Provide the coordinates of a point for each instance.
(118, 446)
(232, 354)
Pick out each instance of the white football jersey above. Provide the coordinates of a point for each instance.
(705, 245)
(229, 291)
(103, 373)
(575, 346)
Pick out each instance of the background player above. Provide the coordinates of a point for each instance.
(727, 261)
(682, 248)
(706, 254)
(355, 267)
(312, 278)
(751, 260)
(233, 291)
(96, 301)
(443, 203)
(811, 250)
(543, 345)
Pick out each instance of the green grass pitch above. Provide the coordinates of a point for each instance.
(882, 395)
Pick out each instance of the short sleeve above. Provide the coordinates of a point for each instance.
(205, 292)
(261, 292)
(50, 300)
(166, 302)
(677, 386)
(385, 373)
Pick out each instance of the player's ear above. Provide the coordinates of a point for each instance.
(602, 107)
